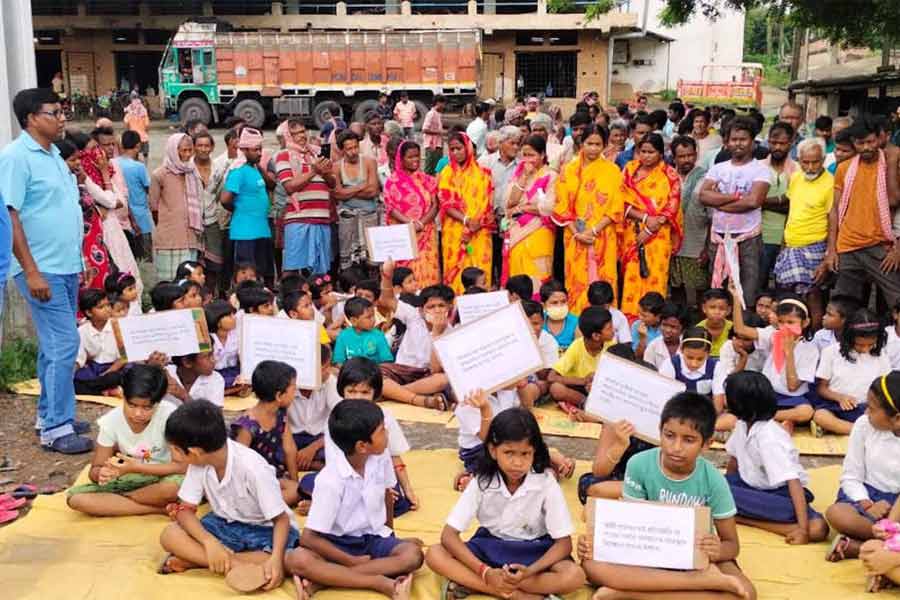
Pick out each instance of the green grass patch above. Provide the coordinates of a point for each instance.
(18, 362)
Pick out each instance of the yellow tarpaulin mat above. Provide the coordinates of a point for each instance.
(807, 444)
(57, 553)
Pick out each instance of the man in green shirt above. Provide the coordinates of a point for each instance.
(775, 206)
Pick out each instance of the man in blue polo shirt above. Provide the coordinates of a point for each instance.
(42, 198)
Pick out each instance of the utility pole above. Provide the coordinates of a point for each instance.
(16, 60)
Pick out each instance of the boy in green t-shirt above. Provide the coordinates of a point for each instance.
(361, 339)
(675, 473)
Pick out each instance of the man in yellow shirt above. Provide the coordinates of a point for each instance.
(571, 376)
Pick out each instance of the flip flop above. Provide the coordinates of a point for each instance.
(838, 546)
(7, 502)
(8, 516)
(246, 577)
(26, 490)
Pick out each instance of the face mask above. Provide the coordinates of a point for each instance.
(812, 176)
(557, 313)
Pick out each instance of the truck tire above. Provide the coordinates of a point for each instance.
(195, 108)
(363, 108)
(327, 105)
(422, 110)
(252, 112)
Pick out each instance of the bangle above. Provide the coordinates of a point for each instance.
(482, 571)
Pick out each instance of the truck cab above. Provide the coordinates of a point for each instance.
(187, 74)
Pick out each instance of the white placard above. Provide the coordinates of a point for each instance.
(392, 241)
(491, 353)
(648, 534)
(624, 390)
(290, 341)
(470, 307)
(734, 266)
(172, 332)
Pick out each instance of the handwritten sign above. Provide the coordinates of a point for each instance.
(734, 266)
(470, 307)
(392, 241)
(647, 534)
(173, 332)
(491, 353)
(624, 390)
(290, 341)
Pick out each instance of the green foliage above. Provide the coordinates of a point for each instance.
(591, 11)
(774, 74)
(18, 362)
(668, 95)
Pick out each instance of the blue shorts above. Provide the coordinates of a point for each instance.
(358, 545)
(785, 401)
(303, 439)
(874, 495)
(470, 457)
(767, 505)
(496, 552)
(845, 415)
(245, 537)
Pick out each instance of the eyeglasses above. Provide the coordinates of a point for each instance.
(56, 114)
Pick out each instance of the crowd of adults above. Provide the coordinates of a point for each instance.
(643, 199)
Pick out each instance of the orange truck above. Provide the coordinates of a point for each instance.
(210, 72)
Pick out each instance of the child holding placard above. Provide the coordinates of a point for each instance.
(523, 545)
(764, 471)
(221, 323)
(98, 367)
(738, 354)
(264, 427)
(675, 473)
(194, 377)
(571, 377)
(298, 305)
(538, 385)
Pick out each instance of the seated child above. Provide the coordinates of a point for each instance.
(571, 376)
(676, 473)
(98, 367)
(166, 296)
(870, 480)
(248, 527)
(118, 307)
(738, 354)
(646, 328)
(600, 293)
(308, 415)
(661, 351)
(222, 327)
(256, 300)
(124, 286)
(560, 323)
(893, 338)
(615, 447)
(405, 283)
(523, 520)
(538, 386)
(132, 471)
(520, 287)
(791, 357)
(764, 306)
(474, 414)
(837, 311)
(194, 377)
(416, 376)
(692, 364)
(298, 305)
(846, 371)
(264, 427)
(348, 541)
(764, 471)
(716, 307)
(473, 276)
(242, 272)
(361, 338)
(193, 293)
(191, 270)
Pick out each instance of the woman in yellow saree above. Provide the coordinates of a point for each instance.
(465, 193)
(653, 224)
(589, 205)
(529, 200)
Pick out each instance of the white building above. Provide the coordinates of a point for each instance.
(657, 61)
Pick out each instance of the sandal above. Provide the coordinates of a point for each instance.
(8, 516)
(7, 502)
(26, 490)
(433, 401)
(816, 430)
(450, 590)
(839, 545)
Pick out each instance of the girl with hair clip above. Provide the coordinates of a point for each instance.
(124, 285)
(191, 270)
(791, 357)
(692, 364)
(846, 370)
(870, 480)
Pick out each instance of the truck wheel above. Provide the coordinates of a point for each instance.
(422, 110)
(195, 108)
(328, 105)
(252, 112)
(363, 108)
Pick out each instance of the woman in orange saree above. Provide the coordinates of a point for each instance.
(465, 193)
(652, 221)
(409, 198)
(589, 205)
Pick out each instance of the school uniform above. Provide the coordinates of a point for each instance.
(727, 364)
(206, 387)
(824, 338)
(871, 467)
(515, 528)
(226, 355)
(893, 347)
(469, 417)
(621, 328)
(806, 356)
(243, 503)
(699, 381)
(767, 460)
(657, 354)
(97, 351)
(308, 414)
(852, 378)
(135, 309)
(348, 509)
(413, 359)
(549, 349)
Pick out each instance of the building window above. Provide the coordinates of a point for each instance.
(553, 74)
(125, 36)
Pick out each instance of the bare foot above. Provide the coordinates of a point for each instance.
(402, 588)
(305, 588)
(303, 507)
(726, 583)
(173, 564)
(386, 586)
(605, 593)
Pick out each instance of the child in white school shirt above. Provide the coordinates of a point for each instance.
(348, 541)
(249, 527)
(523, 544)
(98, 367)
(308, 416)
(194, 377)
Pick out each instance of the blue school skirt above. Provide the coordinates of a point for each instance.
(229, 374)
(496, 552)
(470, 457)
(875, 495)
(359, 545)
(845, 415)
(308, 484)
(91, 371)
(785, 401)
(767, 505)
(303, 439)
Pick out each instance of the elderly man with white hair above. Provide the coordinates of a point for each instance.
(503, 166)
(810, 195)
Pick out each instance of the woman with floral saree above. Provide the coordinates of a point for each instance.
(409, 198)
(465, 193)
(589, 205)
(652, 222)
